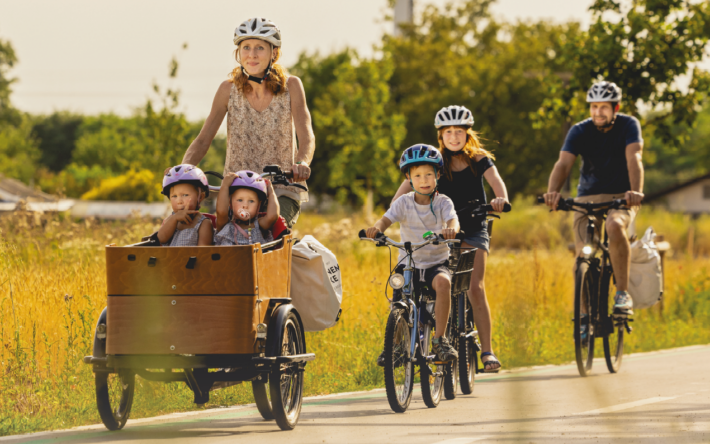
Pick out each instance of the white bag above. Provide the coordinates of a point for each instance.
(645, 278)
(316, 288)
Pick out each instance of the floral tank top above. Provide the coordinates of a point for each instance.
(257, 139)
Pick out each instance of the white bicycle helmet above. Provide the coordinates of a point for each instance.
(604, 92)
(453, 115)
(258, 28)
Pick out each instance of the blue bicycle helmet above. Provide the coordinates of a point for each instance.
(420, 154)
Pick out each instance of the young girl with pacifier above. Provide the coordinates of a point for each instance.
(241, 197)
(186, 186)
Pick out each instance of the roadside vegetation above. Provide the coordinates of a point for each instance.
(53, 287)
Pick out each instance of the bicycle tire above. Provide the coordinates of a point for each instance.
(286, 380)
(399, 369)
(114, 397)
(260, 389)
(432, 385)
(613, 360)
(467, 361)
(583, 350)
(451, 370)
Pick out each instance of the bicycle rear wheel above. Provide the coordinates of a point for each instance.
(399, 369)
(613, 356)
(451, 370)
(583, 294)
(431, 375)
(467, 349)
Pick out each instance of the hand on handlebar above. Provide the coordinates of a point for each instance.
(634, 198)
(552, 199)
(448, 233)
(371, 232)
(498, 204)
(301, 172)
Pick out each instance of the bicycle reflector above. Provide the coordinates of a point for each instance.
(587, 249)
(396, 281)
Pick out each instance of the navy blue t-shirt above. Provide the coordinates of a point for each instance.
(603, 169)
(464, 187)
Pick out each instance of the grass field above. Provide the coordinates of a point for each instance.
(52, 289)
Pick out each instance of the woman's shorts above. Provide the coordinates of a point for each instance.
(479, 239)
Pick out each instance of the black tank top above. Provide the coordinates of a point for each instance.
(464, 187)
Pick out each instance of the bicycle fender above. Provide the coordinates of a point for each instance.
(99, 350)
(400, 304)
(276, 329)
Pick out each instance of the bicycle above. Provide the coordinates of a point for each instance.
(593, 277)
(466, 340)
(409, 332)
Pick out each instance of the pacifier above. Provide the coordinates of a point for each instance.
(244, 214)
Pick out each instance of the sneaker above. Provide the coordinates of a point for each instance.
(381, 359)
(623, 305)
(444, 351)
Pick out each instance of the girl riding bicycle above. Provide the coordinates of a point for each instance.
(466, 163)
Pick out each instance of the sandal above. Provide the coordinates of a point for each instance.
(490, 363)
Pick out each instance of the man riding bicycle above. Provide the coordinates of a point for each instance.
(611, 147)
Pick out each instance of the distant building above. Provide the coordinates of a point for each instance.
(403, 13)
(692, 196)
(12, 190)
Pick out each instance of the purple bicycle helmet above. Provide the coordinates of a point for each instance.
(185, 173)
(251, 180)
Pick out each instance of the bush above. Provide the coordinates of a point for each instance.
(135, 185)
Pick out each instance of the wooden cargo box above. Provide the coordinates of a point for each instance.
(191, 300)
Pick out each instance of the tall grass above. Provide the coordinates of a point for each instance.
(52, 289)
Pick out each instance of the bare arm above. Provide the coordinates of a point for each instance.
(557, 178)
(634, 153)
(272, 209)
(379, 227)
(405, 188)
(222, 211)
(496, 182)
(199, 147)
(452, 227)
(304, 129)
(206, 234)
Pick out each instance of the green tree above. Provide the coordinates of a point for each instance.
(364, 135)
(57, 134)
(645, 49)
(459, 55)
(7, 61)
(18, 151)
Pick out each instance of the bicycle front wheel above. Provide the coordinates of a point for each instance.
(583, 327)
(431, 375)
(399, 369)
(467, 348)
(613, 347)
(451, 370)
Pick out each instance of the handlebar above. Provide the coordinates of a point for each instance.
(476, 209)
(381, 240)
(272, 172)
(569, 204)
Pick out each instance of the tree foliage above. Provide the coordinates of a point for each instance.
(364, 136)
(7, 61)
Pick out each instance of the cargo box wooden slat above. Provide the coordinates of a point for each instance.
(191, 300)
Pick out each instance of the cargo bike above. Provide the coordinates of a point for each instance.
(208, 317)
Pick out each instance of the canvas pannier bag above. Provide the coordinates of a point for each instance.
(645, 275)
(316, 288)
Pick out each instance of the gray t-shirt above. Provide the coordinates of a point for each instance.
(415, 220)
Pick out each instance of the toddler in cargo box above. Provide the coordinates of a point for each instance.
(242, 196)
(186, 186)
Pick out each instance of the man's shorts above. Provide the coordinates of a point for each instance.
(423, 283)
(290, 209)
(580, 220)
(479, 239)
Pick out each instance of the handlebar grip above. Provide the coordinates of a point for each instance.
(540, 199)
(362, 234)
(288, 174)
(507, 208)
(461, 235)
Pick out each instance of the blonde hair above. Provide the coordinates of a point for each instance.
(277, 78)
(471, 149)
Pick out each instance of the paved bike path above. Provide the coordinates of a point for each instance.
(658, 397)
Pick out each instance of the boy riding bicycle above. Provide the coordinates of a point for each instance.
(418, 212)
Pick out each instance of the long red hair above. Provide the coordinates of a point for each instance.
(471, 149)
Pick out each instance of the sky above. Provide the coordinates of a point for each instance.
(95, 56)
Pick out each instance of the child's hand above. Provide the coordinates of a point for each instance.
(448, 233)
(229, 178)
(269, 189)
(371, 232)
(185, 216)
